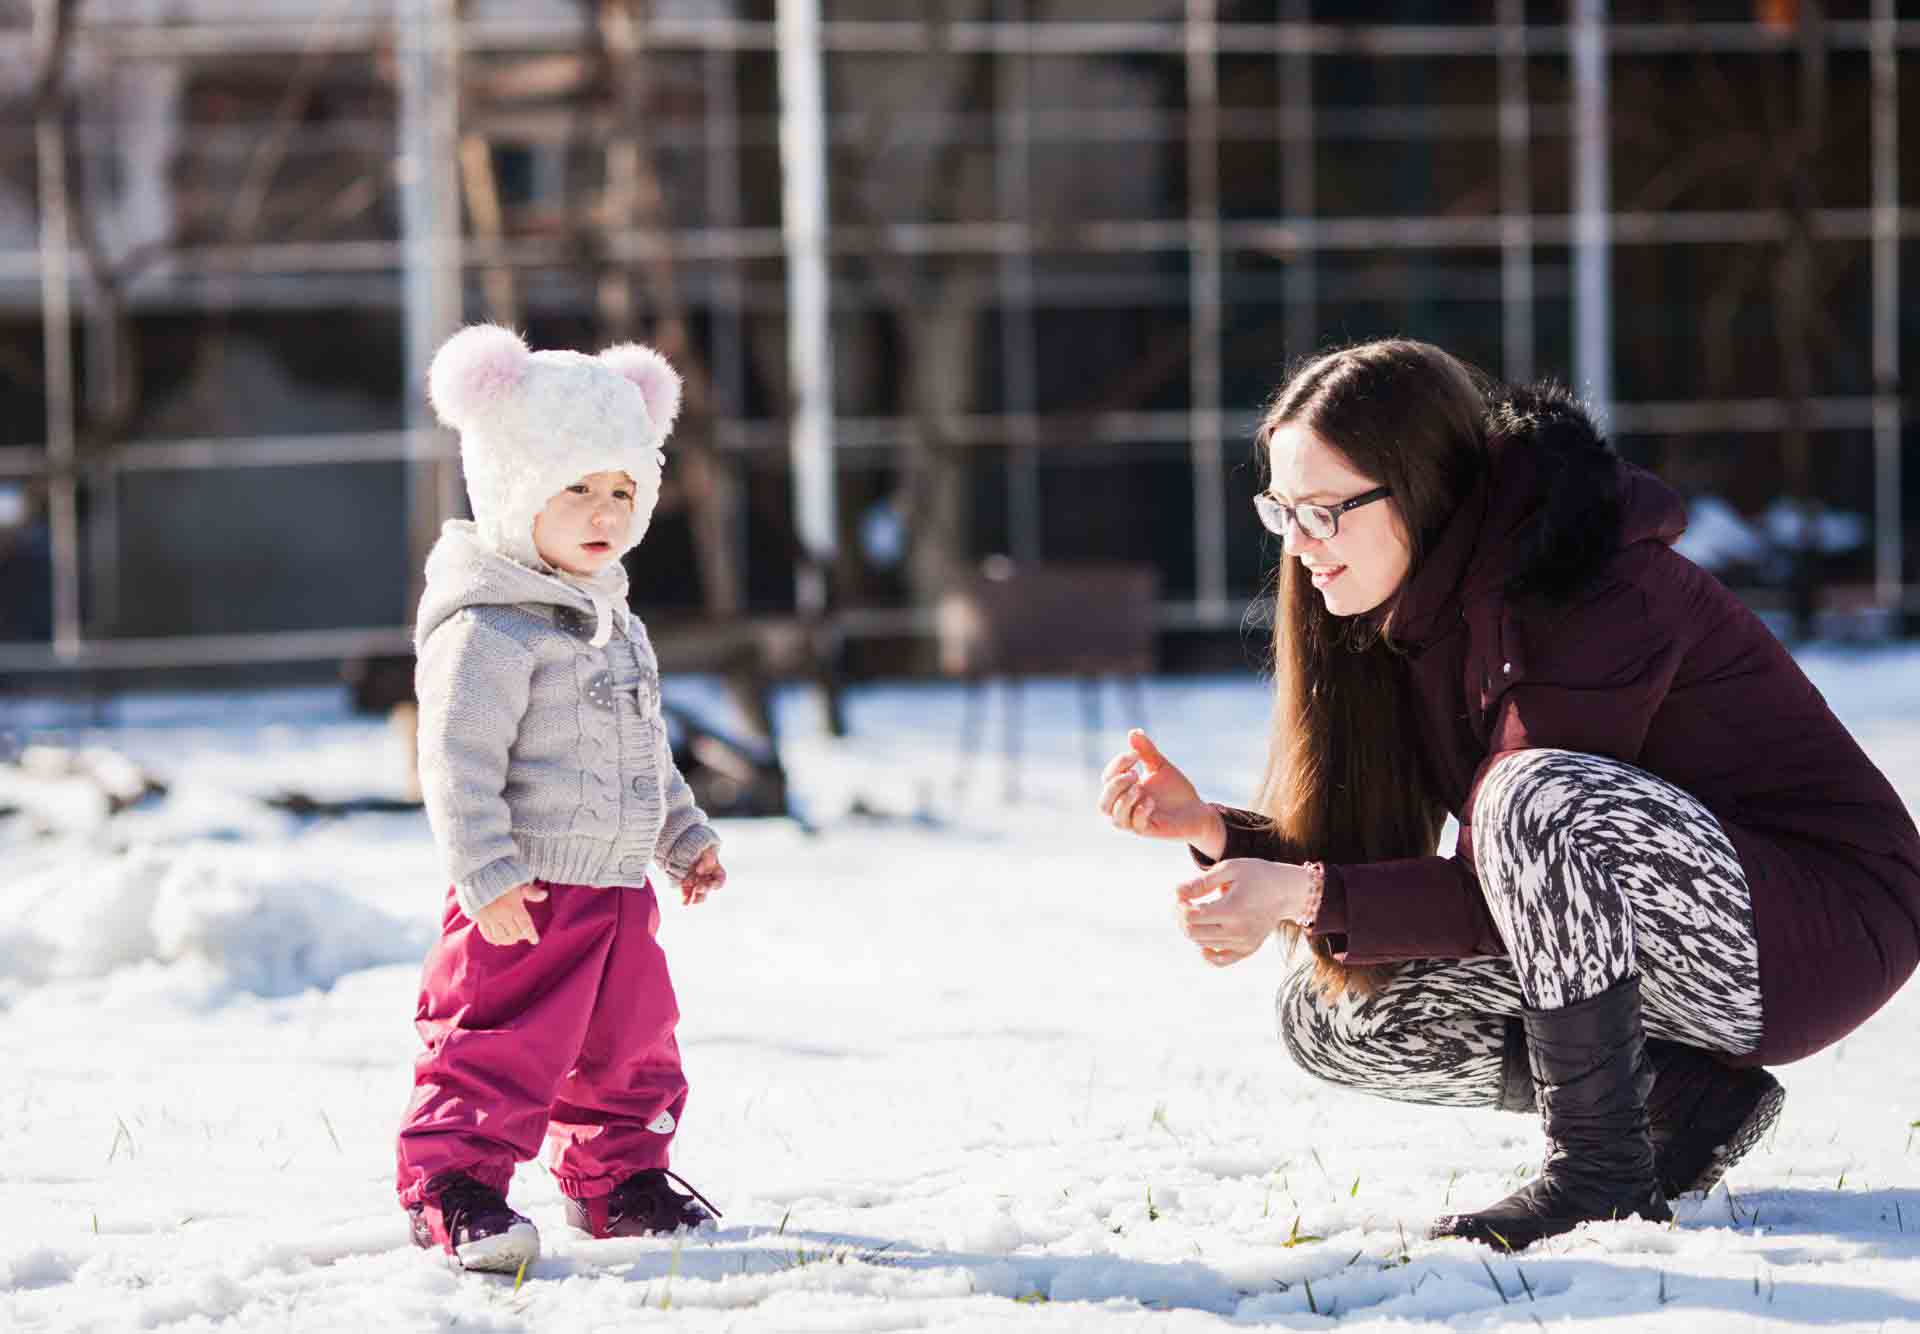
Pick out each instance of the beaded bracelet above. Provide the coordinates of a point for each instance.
(1318, 874)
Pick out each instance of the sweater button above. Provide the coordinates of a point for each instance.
(600, 689)
(1506, 669)
(639, 785)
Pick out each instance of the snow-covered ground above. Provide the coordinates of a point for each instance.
(952, 1068)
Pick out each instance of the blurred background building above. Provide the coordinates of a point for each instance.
(949, 281)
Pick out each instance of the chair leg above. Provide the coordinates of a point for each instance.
(1015, 696)
(973, 702)
(1089, 687)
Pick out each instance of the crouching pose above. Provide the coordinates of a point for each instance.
(1674, 865)
(545, 1005)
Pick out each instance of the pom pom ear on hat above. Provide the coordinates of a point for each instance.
(659, 382)
(474, 370)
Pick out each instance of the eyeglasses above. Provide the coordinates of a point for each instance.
(1319, 522)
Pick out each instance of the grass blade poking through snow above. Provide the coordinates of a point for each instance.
(1494, 1279)
(673, 1267)
(120, 1134)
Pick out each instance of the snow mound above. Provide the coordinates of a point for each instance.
(241, 913)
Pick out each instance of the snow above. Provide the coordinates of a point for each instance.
(1717, 536)
(952, 1067)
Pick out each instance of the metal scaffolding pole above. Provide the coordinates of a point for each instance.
(1013, 185)
(147, 41)
(1206, 421)
(1280, 235)
(1516, 203)
(804, 223)
(102, 344)
(433, 276)
(63, 510)
(1297, 192)
(1889, 556)
(1592, 260)
(727, 355)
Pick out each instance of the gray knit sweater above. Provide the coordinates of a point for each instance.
(543, 754)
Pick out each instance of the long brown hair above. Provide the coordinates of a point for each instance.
(1344, 782)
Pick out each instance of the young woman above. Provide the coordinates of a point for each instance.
(1674, 864)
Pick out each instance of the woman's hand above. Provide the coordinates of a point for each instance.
(507, 920)
(704, 876)
(1163, 804)
(1254, 897)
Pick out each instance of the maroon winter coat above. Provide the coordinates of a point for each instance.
(1652, 662)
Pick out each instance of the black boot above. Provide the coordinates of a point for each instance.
(1591, 1076)
(1704, 1116)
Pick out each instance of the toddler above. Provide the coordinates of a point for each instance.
(545, 1005)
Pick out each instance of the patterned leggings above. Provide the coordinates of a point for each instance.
(1593, 870)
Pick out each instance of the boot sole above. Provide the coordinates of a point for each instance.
(501, 1254)
(1749, 1133)
(1520, 1233)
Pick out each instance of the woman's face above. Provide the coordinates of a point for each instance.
(1362, 564)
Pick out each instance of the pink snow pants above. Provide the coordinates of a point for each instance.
(570, 1039)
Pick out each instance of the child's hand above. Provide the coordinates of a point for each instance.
(703, 877)
(507, 920)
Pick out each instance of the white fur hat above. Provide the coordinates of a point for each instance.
(532, 424)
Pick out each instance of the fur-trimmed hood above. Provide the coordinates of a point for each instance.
(1555, 504)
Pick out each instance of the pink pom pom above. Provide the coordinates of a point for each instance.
(473, 370)
(659, 382)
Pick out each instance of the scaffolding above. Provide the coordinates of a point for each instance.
(1203, 259)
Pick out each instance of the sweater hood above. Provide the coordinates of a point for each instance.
(1554, 505)
(464, 570)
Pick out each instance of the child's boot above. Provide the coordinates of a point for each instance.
(473, 1223)
(644, 1205)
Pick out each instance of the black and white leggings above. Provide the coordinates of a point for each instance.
(1593, 870)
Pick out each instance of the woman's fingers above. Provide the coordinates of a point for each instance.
(1142, 822)
(1212, 933)
(1218, 880)
(1114, 787)
(1143, 747)
(1119, 764)
(1204, 929)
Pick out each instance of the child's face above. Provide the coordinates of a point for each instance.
(583, 528)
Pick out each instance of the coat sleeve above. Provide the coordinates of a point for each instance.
(1248, 835)
(1589, 677)
(685, 833)
(473, 683)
